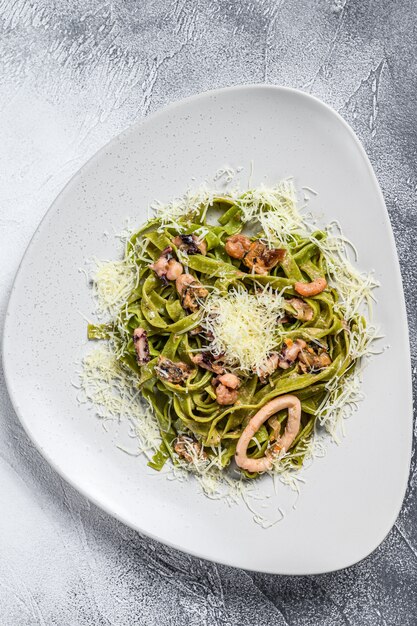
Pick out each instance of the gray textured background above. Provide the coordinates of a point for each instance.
(73, 74)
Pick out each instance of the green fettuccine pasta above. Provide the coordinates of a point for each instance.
(212, 297)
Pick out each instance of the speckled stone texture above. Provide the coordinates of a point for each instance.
(73, 74)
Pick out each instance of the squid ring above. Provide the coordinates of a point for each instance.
(265, 463)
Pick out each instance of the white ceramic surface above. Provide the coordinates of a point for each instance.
(354, 494)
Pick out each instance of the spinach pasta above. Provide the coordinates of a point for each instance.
(241, 326)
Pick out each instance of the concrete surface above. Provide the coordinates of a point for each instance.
(73, 74)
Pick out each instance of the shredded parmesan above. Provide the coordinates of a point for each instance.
(190, 204)
(353, 287)
(243, 326)
(340, 402)
(215, 481)
(275, 209)
(227, 173)
(114, 394)
(113, 283)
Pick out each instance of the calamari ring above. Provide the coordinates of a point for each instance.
(265, 463)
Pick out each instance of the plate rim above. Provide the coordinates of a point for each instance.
(7, 336)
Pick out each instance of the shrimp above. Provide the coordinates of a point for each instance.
(229, 380)
(174, 270)
(237, 246)
(188, 448)
(261, 259)
(310, 361)
(226, 396)
(266, 462)
(226, 387)
(166, 267)
(173, 372)
(190, 291)
(190, 244)
(290, 352)
(140, 340)
(160, 266)
(303, 311)
(311, 289)
(268, 367)
(208, 361)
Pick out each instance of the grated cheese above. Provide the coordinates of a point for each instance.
(215, 482)
(190, 204)
(113, 392)
(113, 283)
(228, 173)
(354, 288)
(275, 208)
(244, 330)
(340, 402)
(243, 326)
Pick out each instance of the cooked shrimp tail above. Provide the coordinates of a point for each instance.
(311, 289)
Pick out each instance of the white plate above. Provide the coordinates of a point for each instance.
(353, 496)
